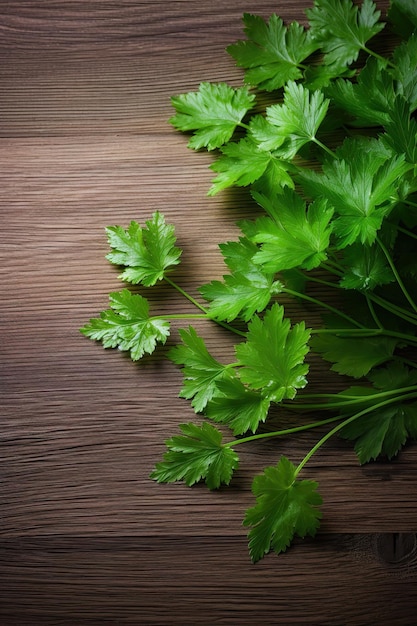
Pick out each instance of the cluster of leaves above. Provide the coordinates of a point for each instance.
(330, 166)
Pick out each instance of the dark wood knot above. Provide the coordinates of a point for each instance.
(396, 548)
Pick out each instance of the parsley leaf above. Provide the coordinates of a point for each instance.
(197, 454)
(401, 130)
(353, 356)
(292, 236)
(385, 431)
(370, 99)
(147, 253)
(403, 15)
(273, 53)
(244, 292)
(243, 162)
(127, 325)
(213, 112)
(366, 268)
(360, 184)
(342, 30)
(201, 371)
(405, 70)
(272, 358)
(296, 121)
(242, 409)
(285, 507)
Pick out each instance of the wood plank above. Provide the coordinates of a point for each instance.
(186, 581)
(85, 536)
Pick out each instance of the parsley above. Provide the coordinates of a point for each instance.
(195, 455)
(330, 166)
(285, 507)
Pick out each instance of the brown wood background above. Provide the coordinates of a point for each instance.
(85, 536)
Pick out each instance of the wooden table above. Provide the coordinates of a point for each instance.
(85, 536)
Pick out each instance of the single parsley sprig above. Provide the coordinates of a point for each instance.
(339, 217)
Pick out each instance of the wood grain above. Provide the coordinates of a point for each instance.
(85, 536)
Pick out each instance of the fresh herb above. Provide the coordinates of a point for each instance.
(330, 165)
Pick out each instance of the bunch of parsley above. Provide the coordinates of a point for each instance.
(331, 167)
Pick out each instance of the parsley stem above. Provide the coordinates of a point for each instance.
(345, 399)
(333, 268)
(324, 147)
(202, 308)
(186, 295)
(303, 296)
(365, 332)
(181, 316)
(378, 56)
(372, 311)
(397, 276)
(406, 361)
(350, 419)
(405, 230)
(408, 316)
(321, 281)
(286, 431)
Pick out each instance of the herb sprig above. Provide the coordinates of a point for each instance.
(348, 209)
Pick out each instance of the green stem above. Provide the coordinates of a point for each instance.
(303, 296)
(202, 308)
(181, 316)
(365, 332)
(333, 268)
(346, 400)
(321, 281)
(372, 311)
(405, 230)
(405, 361)
(410, 203)
(407, 316)
(280, 433)
(378, 56)
(186, 295)
(397, 276)
(324, 147)
(339, 427)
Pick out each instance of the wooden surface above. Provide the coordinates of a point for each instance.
(85, 536)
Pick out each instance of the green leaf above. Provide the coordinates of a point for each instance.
(342, 29)
(147, 253)
(405, 70)
(296, 121)
(212, 112)
(403, 15)
(243, 163)
(197, 454)
(321, 76)
(366, 267)
(246, 291)
(370, 100)
(285, 507)
(394, 375)
(238, 407)
(401, 130)
(361, 185)
(201, 371)
(353, 356)
(293, 236)
(273, 53)
(127, 325)
(272, 358)
(385, 431)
